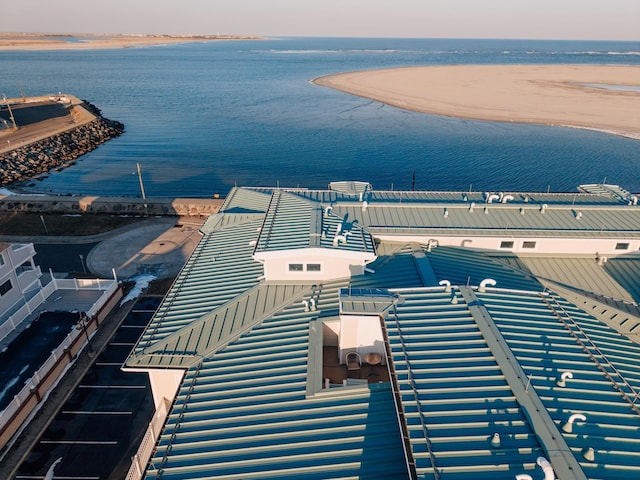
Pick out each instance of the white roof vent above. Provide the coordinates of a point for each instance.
(568, 427)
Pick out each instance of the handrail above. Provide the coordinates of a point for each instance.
(412, 383)
(568, 321)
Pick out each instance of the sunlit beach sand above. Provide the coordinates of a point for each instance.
(605, 98)
(9, 41)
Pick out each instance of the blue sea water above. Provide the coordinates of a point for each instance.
(202, 117)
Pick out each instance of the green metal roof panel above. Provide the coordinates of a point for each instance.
(245, 413)
(454, 395)
(492, 219)
(293, 223)
(550, 336)
(220, 269)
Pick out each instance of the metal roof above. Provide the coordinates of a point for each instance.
(468, 362)
(247, 413)
(293, 223)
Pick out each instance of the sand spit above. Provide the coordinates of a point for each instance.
(581, 96)
(33, 41)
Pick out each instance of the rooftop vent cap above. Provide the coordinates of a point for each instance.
(483, 284)
(507, 198)
(492, 197)
(446, 284)
(471, 207)
(589, 454)
(634, 200)
(524, 476)
(445, 214)
(495, 440)
(339, 239)
(546, 468)
(364, 206)
(562, 381)
(568, 427)
(431, 244)
(543, 208)
(327, 211)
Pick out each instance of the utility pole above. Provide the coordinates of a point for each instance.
(15, 127)
(144, 196)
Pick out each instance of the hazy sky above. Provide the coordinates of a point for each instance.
(550, 19)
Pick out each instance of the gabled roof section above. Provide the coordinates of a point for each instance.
(215, 330)
(293, 222)
(240, 206)
(220, 269)
(246, 413)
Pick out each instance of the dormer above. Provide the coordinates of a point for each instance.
(307, 242)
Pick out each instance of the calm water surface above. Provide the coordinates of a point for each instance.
(202, 117)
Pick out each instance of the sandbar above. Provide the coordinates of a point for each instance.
(594, 97)
(33, 41)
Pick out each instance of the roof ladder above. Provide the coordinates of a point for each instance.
(604, 365)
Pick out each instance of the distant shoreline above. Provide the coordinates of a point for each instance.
(560, 95)
(41, 41)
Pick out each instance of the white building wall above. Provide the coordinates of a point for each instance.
(333, 264)
(543, 245)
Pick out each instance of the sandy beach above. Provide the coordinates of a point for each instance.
(582, 96)
(9, 41)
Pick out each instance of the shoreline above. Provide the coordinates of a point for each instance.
(552, 95)
(39, 41)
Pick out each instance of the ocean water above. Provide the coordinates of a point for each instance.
(202, 117)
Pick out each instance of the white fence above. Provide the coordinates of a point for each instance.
(141, 458)
(30, 306)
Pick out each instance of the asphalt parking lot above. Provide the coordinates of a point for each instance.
(97, 430)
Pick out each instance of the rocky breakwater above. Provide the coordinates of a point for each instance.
(57, 151)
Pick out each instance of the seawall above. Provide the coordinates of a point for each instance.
(54, 144)
(76, 204)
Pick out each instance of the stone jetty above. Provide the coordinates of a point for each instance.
(59, 150)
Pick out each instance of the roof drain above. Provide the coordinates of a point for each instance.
(562, 381)
(568, 427)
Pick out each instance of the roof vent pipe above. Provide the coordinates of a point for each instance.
(578, 215)
(486, 210)
(495, 440)
(522, 211)
(493, 197)
(312, 304)
(483, 284)
(339, 239)
(524, 476)
(507, 198)
(546, 468)
(338, 229)
(543, 208)
(327, 211)
(561, 382)
(364, 206)
(568, 427)
(634, 200)
(473, 204)
(445, 214)
(589, 454)
(361, 196)
(446, 284)
(306, 305)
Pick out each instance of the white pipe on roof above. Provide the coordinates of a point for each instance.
(339, 239)
(568, 427)
(523, 476)
(561, 382)
(506, 198)
(446, 284)
(493, 197)
(487, 281)
(546, 468)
